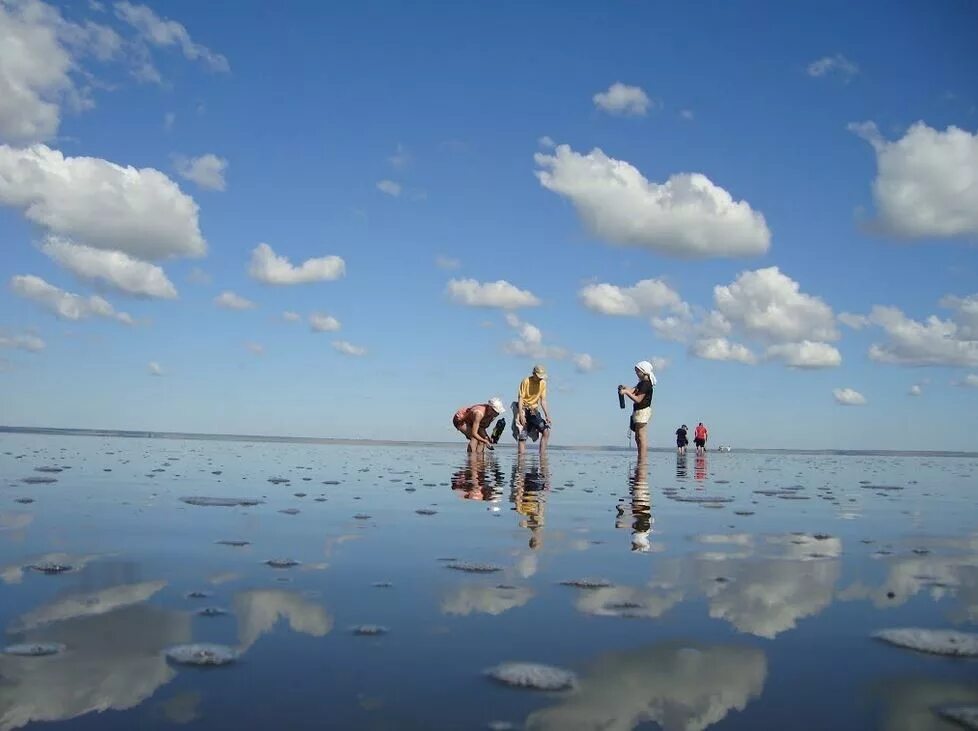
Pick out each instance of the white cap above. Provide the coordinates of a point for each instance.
(497, 405)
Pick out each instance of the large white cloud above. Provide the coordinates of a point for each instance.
(927, 181)
(805, 354)
(687, 216)
(231, 301)
(25, 341)
(207, 170)
(500, 294)
(269, 267)
(115, 268)
(646, 296)
(769, 305)
(164, 33)
(848, 397)
(97, 203)
(723, 349)
(623, 100)
(932, 342)
(65, 304)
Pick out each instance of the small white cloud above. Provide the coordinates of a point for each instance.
(323, 323)
(856, 322)
(969, 381)
(837, 64)
(291, 316)
(231, 301)
(256, 348)
(349, 349)
(270, 268)
(528, 342)
(915, 390)
(927, 182)
(447, 263)
(623, 100)
(207, 170)
(687, 114)
(115, 268)
(723, 349)
(65, 304)
(169, 119)
(659, 363)
(688, 216)
(546, 142)
(645, 297)
(155, 369)
(164, 33)
(389, 187)
(401, 158)
(806, 354)
(500, 294)
(584, 363)
(28, 342)
(198, 276)
(848, 397)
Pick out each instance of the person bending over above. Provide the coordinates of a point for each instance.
(472, 421)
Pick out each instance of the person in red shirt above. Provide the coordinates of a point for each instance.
(699, 438)
(472, 422)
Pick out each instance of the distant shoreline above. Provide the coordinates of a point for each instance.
(133, 434)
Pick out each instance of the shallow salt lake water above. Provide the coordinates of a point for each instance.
(735, 591)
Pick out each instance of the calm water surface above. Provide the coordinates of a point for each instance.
(740, 591)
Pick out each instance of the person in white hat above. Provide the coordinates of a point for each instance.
(641, 397)
(531, 399)
(472, 421)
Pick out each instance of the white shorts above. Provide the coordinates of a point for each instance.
(641, 416)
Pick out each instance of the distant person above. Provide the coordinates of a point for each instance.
(681, 439)
(641, 397)
(531, 400)
(699, 438)
(472, 421)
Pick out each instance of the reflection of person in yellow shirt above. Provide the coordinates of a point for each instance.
(530, 401)
(528, 488)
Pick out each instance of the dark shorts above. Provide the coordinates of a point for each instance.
(682, 442)
(534, 425)
(700, 442)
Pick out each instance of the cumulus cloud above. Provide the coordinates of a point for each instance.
(231, 301)
(291, 316)
(687, 216)
(500, 294)
(838, 65)
(723, 349)
(965, 314)
(913, 343)
(39, 57)
(140, 212)
(927, 182)
(623, 100)
(207, 170)
(969, 381)
(65, 304)
(28, 342)
(447, 263)
(528, 342)
(270, 268)
(805, 354)
(856, 322)
(546, 142)
(114, 268)
(647, 296)
(347, 348)
(493, 600)
(585, 363)
(165, 33)
(848, 397)
(323, 323)
(155, 369)
(389, 187)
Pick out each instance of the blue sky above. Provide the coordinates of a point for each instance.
(795, 184)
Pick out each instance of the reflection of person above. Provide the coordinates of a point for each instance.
(472, 421)
(641, 509)
(681, 439)
(530, 401)
(641, 397)
(699, 438)
(528, 489)
(681, 465)
(700, 467)
(471, 481)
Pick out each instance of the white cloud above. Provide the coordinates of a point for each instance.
(927, 182)
(164, 33)
(39, 54)
(687, 216)
(965, 314)
(687, 114)
(118, 270)
(389, 187)
(768, 304)
(231, 301)
(65, 304)
(805, 354)
(323, 323)
(501, 294)
(207, 170)
(585, 363)
(546, 142)
(256, 348)
(915, 390)
(528, 342)
(659, 363)
(98, 203)
(673, 327)
(155, 369)
(856, 322)
(169, 119)
(270, 268)
(623, 100)
(348, 348)
(723, 349)
(837, 64)
(969, 381)
(848, 397)
(401, 158)
(933, 342)
(647, 296)
(291, 316)
(28, 342)
(447, 263)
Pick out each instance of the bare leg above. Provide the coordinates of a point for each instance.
(544, 438)
(640, 440)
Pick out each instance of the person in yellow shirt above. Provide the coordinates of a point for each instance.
(530, 401)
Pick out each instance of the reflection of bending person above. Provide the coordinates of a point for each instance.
(472, 421)
(527, 493)
(471, 482)
(530, 401)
